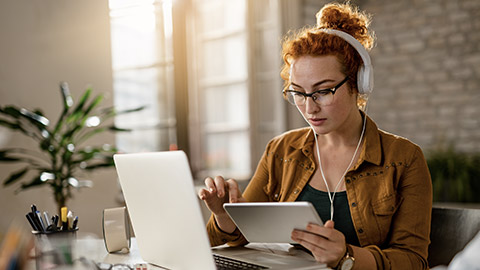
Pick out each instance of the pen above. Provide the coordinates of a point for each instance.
(55, 221)
(31, 221)
(40, 220)
(64, 218)
(69, 220)
(75, 221)
(47, 219)
(34, 208)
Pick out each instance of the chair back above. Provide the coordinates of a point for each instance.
(451, 230)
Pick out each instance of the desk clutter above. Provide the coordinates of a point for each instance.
(46, 224)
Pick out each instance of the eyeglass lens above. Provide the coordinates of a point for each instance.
(323, 98)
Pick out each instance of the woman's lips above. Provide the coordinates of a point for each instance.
(317, 121)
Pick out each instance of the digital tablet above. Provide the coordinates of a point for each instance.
(271, 222)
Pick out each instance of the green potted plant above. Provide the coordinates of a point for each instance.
(454, 175)
(62, 152)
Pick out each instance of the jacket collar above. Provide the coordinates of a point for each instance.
(371, 150)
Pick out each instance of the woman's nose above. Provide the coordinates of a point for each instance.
(310, 106)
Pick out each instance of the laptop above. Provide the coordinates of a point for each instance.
(166, 218)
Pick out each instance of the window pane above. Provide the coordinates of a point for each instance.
(134, 37)
(134, 88)
(227, 104)
(224, 16)
(225, 58)
(228, 154)
(144, 140)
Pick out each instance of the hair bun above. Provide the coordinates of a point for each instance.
(346, 18)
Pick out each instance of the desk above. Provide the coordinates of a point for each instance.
(93, 249)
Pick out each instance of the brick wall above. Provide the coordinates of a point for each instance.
(427, 69)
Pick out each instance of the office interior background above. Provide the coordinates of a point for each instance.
(208, 70)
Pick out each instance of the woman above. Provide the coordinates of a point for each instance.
(372, 189)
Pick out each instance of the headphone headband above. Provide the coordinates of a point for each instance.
(365, 72)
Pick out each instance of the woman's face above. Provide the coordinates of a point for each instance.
(312, 73)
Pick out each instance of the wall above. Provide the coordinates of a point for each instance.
(427, 69)
(43, 43)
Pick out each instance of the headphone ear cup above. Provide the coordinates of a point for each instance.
(361, 80)
(365, 79)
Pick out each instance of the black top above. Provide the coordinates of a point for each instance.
(342, 216)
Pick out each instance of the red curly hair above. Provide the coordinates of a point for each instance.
(312, 41)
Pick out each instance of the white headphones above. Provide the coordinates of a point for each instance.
(365, 72)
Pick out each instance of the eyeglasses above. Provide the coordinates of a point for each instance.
(322, 97)
(117, 266)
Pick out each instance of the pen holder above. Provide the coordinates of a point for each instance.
(54, 248)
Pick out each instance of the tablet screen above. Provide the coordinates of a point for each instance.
(271, 222)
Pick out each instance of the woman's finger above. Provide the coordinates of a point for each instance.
(233, 191)
(219, 186)
(326, 232)
(210, 184)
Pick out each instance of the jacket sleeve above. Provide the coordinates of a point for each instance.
(410, 232)
(253, 193)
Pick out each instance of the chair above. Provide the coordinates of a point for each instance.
(451, 230)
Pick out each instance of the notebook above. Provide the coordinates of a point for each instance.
(166, 218)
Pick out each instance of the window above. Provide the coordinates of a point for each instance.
(142, 60)
(225, 95)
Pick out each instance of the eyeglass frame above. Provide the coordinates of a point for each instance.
(311, 95)
(110, 266)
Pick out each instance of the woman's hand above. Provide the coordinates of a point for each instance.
(217, 192)
(326, 243)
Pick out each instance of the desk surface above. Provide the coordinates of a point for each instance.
(93, 249)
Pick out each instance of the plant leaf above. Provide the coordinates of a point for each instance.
(107, 162)
(36, 181)
(13, 126)
(115, 128)
(38, 121)
(92, 105)
(66, 96)
(15, 176)
(67, 104)
(78, 111)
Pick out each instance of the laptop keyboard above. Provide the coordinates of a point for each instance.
(224, 263)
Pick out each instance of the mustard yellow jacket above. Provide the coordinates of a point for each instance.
(389, 191)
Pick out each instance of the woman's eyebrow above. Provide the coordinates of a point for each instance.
(322, 82)
(315, 84)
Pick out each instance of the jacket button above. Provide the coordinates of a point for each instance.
(296, 191)
(360, 230)
(276, 195)
(354, 204)
(348, 181)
